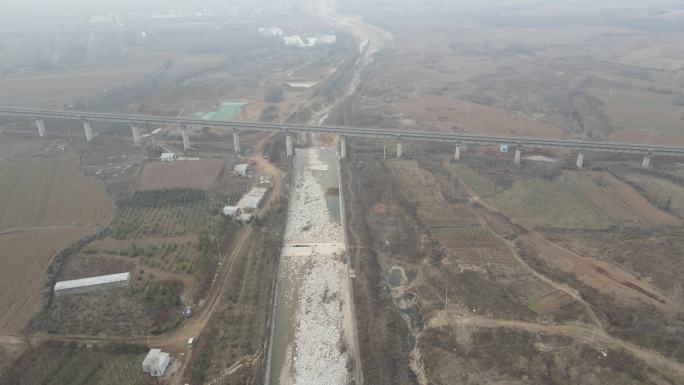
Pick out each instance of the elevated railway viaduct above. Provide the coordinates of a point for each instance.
(135, 121)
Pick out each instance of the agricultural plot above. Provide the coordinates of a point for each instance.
(475, 253)
(573, 199)
(61, 363)
(26, 256)
(639, 108)
(663, 193)
(196, 174)
(550, 203)
(163, 213)
(232, 350)
(50, 192)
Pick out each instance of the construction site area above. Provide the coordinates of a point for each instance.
(278, 252)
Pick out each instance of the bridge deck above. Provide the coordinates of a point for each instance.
(351, 131)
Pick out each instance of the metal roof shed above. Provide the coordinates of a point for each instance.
(231, 211)
(252, 200)
(92, 283)
(241, 169)
(150, 360)
(161, 363)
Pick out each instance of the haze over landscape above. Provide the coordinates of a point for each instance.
(341, 192)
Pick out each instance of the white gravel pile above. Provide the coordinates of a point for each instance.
(318, 357)
(308, 219)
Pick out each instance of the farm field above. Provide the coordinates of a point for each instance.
(163, 213)
(661, 191)
(23, 265)
(634, 108)
(232, 349)
(59, 363)
(54, 87)
(539, 266)
(570, 199)
(192, 174)
(50, 192)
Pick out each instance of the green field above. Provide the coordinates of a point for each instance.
(659, 191)
(227, 112)
(550, 203)
(558, 202)
(482, 185)
(50, 192)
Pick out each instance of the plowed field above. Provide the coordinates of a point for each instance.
(195, 174)
(23, 262)
(48, 192)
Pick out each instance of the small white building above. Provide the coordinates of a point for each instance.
(231, 211)
(156, 362)
(83, 285)
(150, 358)
(253, 199)
(241, 169)
(168, 157)
(503, 148)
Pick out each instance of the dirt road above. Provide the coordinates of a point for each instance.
(175, 341)
(600, 275)
(591, 336)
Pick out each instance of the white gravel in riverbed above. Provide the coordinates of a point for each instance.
(309, 220)
(317, 357)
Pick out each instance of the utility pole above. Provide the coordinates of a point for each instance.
(446, 299)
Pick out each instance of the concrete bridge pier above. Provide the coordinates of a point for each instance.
(40, 123)
(343, 147)
(580, 160)
(88, 131)
(236, 141)
(400, 149)
(457, 152)
(136, 135)
(186, 138)
(646, 163)
(288, 145)
(518, 155)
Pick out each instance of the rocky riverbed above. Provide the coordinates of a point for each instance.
(309, 328)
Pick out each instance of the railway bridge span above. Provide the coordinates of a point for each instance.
(519, 142)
